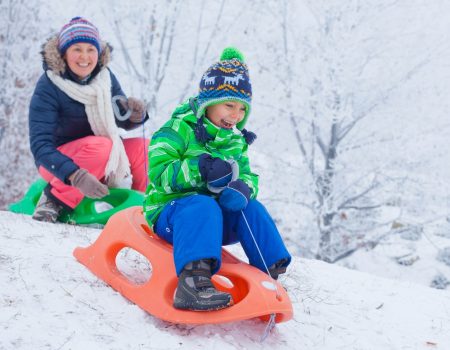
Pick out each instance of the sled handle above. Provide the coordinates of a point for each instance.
(115, 104)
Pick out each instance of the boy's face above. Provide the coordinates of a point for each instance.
(226, 115)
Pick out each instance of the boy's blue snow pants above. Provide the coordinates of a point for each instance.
(197, 228)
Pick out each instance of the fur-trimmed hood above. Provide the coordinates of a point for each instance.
(52, 58)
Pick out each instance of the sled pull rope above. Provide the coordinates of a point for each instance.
(259, 251)
(143, 141)
(271, 322)
(235, 175)
(270, 325)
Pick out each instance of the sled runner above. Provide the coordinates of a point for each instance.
(255, 294)
(89, 211)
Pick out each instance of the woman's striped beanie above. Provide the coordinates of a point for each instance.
(78, 30)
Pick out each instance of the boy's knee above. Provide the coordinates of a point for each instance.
(205, 202)
(254, 204)
(201, 205)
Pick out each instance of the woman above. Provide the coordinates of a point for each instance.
(74, 136)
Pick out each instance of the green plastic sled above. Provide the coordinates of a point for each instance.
(85, 213)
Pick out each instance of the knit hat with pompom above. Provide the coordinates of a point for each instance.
(224, 81)
(78, 30)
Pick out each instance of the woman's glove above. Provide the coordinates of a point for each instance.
(88, 184)
(235, 196)
(215, 171)
(137, 108)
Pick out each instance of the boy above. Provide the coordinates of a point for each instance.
(202, 192)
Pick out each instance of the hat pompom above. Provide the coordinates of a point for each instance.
(231, 52)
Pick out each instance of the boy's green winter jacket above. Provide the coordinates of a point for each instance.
(173, 160)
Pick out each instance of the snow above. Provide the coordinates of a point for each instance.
(50, 301)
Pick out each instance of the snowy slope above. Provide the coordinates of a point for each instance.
(50, 301)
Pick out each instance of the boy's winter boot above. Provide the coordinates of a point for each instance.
(277, 269)
(195, 291)
(47, 210)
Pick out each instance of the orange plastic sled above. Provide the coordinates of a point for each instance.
(255, 294)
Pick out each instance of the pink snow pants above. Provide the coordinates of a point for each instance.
(92, 153)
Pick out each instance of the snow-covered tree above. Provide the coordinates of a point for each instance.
(20, 36)
(325, 70)
(165, 47)
(146, 59)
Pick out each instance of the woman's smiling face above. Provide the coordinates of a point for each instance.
(82, 58)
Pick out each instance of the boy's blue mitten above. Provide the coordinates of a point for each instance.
(215, 171)
(235, 196)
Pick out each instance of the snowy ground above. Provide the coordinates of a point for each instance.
(50, 301)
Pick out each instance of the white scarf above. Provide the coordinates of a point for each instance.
(96, 98)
